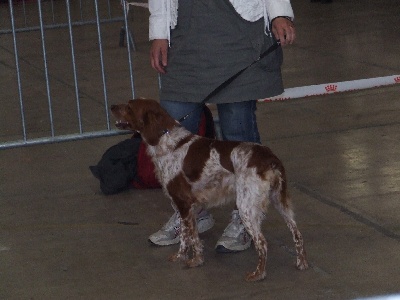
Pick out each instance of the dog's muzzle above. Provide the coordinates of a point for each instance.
(122, 125)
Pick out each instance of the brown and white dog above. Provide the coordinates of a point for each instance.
(194, 170)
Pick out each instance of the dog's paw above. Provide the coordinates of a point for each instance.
(255, 276)
(177, 257)
(301, 264)
(195, 262)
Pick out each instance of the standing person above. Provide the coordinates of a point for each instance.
(196, 46)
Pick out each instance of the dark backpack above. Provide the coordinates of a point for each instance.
(118, 166)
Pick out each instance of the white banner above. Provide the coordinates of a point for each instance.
(337, 87)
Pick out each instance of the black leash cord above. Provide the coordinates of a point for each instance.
(232, 78)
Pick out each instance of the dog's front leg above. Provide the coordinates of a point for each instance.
(189, 238)
(184, 237)
(182, 253)
(194, 241)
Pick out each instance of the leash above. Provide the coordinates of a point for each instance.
(232, 78)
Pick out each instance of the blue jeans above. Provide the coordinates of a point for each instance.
(237, 120)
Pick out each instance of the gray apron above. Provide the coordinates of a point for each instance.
(211, 43)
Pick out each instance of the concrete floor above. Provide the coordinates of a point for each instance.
(61, 238)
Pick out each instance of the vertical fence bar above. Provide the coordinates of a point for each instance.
(52, 11)
(21, 102)
(24, 11)
(102, 64)
(109, 9)
(71, 38)
(128, 46)
(81, 9)
(46, 72)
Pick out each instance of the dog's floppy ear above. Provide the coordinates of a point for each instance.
(152, 127)
(137, 112)
(150, 119)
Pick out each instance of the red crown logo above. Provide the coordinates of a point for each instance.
(397, 79)
(331, 88)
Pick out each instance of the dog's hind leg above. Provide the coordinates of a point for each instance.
(252, 217)
(281, 202)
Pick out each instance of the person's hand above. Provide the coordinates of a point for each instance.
(283, 30)
(159, 55)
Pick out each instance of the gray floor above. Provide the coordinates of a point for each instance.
(61, 238)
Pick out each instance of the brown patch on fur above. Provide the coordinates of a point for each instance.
(195, 160)
(263, 160)
(224, 148)
(199, 153)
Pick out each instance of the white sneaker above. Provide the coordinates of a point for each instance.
(235, 237)
(169, 233)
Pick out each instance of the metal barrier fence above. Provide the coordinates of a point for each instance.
(61, 62)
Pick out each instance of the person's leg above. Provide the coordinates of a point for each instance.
(238, 123)
(169, 233)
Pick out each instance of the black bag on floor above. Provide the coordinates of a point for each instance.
(118, 166)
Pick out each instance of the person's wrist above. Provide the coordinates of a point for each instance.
(286, 17)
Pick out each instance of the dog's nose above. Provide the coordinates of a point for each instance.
(112, 107)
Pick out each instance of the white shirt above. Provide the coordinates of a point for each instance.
(164, 13)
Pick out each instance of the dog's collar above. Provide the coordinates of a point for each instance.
(166, 131)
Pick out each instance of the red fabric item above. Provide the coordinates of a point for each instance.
(146, 178)
(203, 125)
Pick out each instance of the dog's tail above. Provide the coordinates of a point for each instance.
(279, 196)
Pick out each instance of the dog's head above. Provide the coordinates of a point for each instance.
(145, 116)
